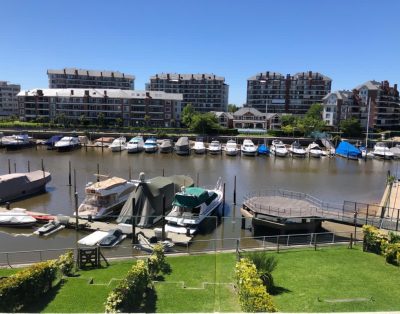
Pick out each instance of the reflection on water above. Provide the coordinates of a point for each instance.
(331, 179)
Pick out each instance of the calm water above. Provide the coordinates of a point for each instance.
(330, 179)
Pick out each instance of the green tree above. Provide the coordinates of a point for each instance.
(315, 111)
(119, 122)
(147, 119)
(61, 119)
(232, 108)
(204, 123)
(101, 119)
(288, 119)
(187, 115)
(351, 127)
(83, 120)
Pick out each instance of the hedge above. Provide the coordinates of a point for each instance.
(129, 295)
(253, 296)
(26, 286)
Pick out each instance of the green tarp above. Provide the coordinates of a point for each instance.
(193, 197)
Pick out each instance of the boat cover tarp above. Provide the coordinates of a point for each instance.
(149, 199)
(193, 197)
(345, 149)
(263, 149)
(182, 141)
(54, 139)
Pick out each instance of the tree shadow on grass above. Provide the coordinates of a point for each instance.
(41, 303)
(149, 305)
(275, 290)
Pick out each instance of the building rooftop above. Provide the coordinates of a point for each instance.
(310, 74)
(186, 77)
(245, 110)
(100, 93)
(220, 113)
(266, 75)
(340, 94)
(98, 73)
(374, 85)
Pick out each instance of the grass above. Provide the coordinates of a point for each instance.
(328, 280)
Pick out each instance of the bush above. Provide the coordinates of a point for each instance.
(26, 286)
(66, 263)
(253, 296)
(392, 253)
(157, 263)
(129, 295)
(373, 239)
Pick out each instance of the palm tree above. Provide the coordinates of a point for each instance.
(265, 265)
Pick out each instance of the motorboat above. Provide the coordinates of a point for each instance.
(215, 148)
(49, 228)
(118, 145)
(381, 151)
(248, 148)
(23, 184)
(150, 146)
(147, 245)
(18, 142)
(50, 143)
(231, 148)
(263, 149)
(199, 147)
(347, 150)
(104, 198)
(67, 143)
(314, 150)
(365, 154)
(296, 150)
(104, 141)
(16, 217)
(182, 146)
(166, 146)
(135, 145)
(113, 237)
(396, 151)
(279, 149)
(191, 206)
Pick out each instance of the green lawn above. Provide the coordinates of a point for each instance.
(328, 280)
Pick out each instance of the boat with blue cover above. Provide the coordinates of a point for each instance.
(347, 150)
(263, 149)
(50, 143)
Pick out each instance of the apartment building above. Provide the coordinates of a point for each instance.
(206, 92)
(135, 108)
(81, 78)
(8, 98)
(274, 93)
(377, 99)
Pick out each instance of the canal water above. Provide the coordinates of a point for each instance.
(329, 179)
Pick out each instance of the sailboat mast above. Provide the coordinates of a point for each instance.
(366, 136)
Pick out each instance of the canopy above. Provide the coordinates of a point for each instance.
(345, 149)
(193, 197)
(149, 199)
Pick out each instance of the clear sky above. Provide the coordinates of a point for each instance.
(351, 41)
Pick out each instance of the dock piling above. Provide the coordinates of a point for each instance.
(223, 201)
(163, 172)
(74, 180)
(163, 219)
(69, 173)
(133, 223)
(98, 172)
(15, 167)
(76, 211)
(29, 166)
(9, 166)
(234, 191)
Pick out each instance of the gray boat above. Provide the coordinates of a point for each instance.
(182, 146)
(21, 185)
(166, 146)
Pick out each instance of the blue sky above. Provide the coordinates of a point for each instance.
(351, 41)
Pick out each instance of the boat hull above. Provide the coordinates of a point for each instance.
(231, 152)
(247, 153)
(67, 148)
(12, 147)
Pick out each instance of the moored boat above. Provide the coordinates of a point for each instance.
(118, 145)
(215, 148)
(346, 150)
(199, 147)
(166, 146)
(67, 143)
(150, 146)
(296, 150)
(182, 146)
(135, 145)
(21, 185)
(381, 151)
(231, 148)
(113, 237)
(51, 142)
(263, 149)
(278, 149)
(314, 150)
(104, 141)
(18, 142)
(248, 148)
(16, 217)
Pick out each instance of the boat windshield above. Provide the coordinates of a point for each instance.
(100, 201)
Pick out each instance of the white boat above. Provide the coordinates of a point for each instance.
(278, 149)
(118, 145)
(18, 141)
(191, 206)
(20, 185)
(67, 143)
(16, 217)
(396, 151)
(296, 150)
(214, 147)
(199, 147)
(51, 227)
(135, 145)
(231, 148)
(248, 148)
(147, 245)
(104, 141)
(105, 197)
(314, 150)
(150, 146)
(381, 151)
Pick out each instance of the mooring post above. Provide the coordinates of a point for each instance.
(69, 173)
(98, 172)
(234, 191)
(133, 223)
(163, 219)
(15, 167)
(29, 166)
(223, 201)
(76, 212)
(351, 240)
(9, 166)
(74, 180)
(163, 172)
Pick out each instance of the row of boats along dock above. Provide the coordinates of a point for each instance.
(183, 146)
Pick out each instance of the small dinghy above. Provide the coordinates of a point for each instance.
(49, 228)
(147, 245)
(113, 237)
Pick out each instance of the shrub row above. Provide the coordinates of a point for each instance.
(26, 286)
(378, 242)
(131, 292)
(253, 296)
